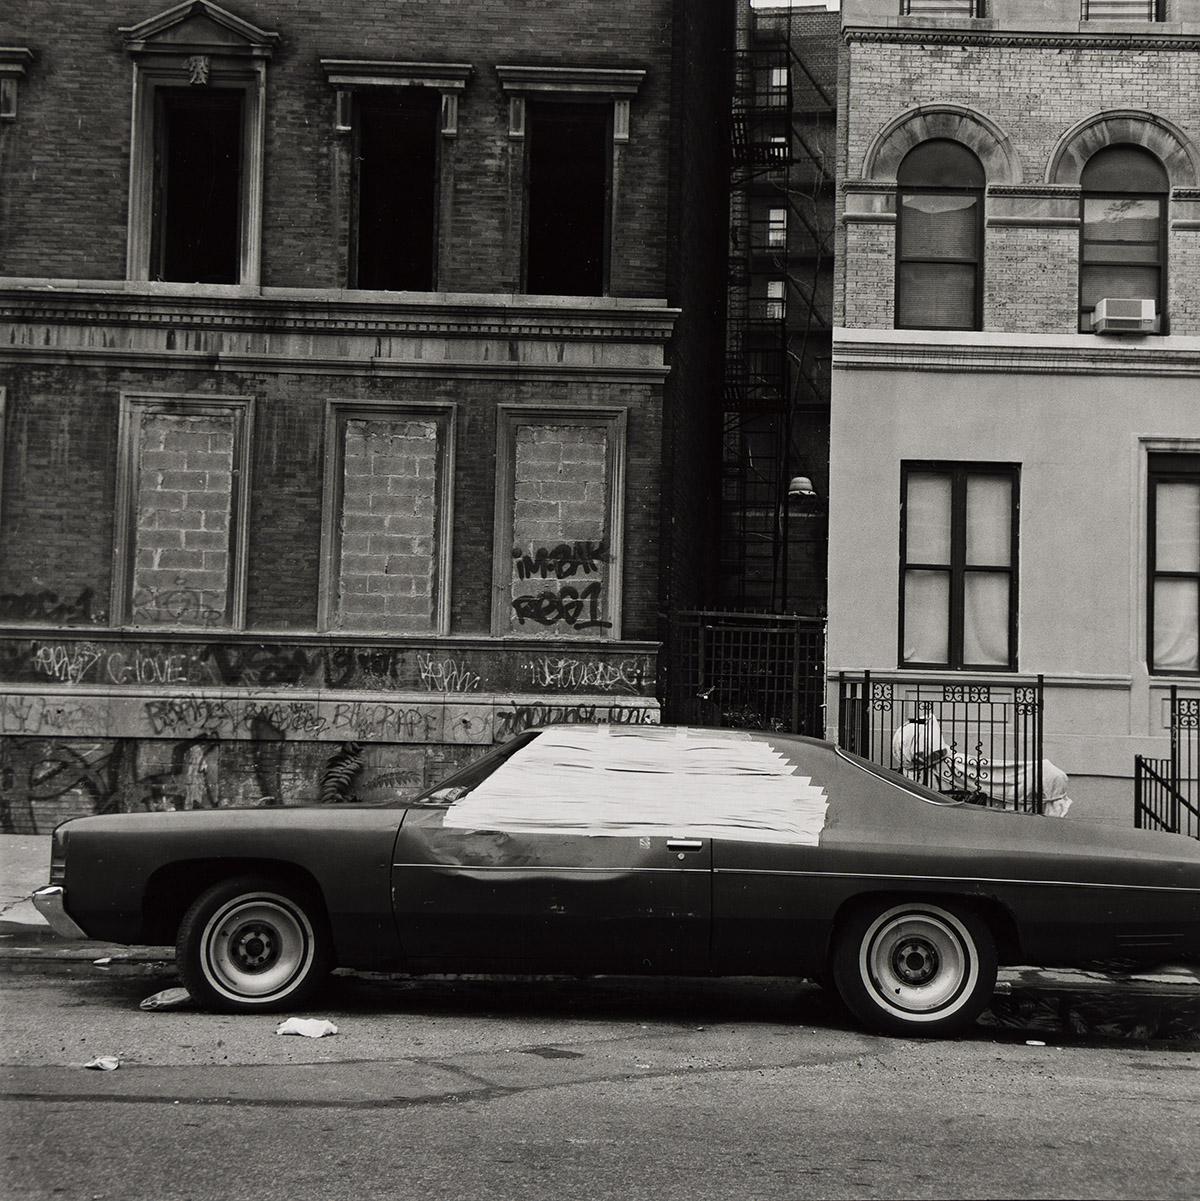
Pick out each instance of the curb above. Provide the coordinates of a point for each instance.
(39, 945)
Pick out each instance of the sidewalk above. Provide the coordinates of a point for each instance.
(24, 866)
(1024, 995)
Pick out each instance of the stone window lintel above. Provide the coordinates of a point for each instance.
(346, 74)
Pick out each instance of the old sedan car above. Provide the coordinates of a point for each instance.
(663, 850)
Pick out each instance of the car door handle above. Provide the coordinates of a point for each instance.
(685, 844)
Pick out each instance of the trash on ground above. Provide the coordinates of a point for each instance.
(169, 998)
(1034, 1042)
(308, 1027)
(102, 962)
(104, 1063)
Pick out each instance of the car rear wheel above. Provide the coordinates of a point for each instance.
(915, 968)
(253, 945)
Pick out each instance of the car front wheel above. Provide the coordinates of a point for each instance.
(915, 968)
(253, 945)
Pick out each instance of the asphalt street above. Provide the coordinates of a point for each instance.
(503, 1088)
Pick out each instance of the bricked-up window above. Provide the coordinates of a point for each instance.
(396, 133)
(1173, 563)
(196, 146)
(1123, 247)
(389, 473)
(559, 505)
(958, 560)
(567, 162)
(939, 237)
(181, 529)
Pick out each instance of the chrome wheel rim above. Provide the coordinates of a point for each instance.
(920, 963)
(258, 947)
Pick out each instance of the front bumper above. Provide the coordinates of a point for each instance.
(49, 903)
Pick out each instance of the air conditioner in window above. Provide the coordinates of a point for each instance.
(1121, 316)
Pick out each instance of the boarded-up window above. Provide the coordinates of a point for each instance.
(387, 520)
(558, 555)
(178, 556)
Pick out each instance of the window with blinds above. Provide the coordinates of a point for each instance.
(958, 555)
(1173, 562)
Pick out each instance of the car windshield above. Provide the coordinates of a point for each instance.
(454, 787)
(893, 776)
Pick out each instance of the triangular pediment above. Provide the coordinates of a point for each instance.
(198, 26)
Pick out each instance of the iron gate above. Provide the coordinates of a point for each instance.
(1167, 791)
(757, 671)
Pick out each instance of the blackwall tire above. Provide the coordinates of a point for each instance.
(915, 968)
(253, 945)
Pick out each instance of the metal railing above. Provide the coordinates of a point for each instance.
(943, 8)
(757, 671)
(981, 742)
(1166, 792)
(1121, 10)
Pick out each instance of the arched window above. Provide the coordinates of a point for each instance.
(939, 237)
(1123, 249)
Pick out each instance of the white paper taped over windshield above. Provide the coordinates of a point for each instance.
(608, 781)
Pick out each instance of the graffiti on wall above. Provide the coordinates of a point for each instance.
(174, 607)
(447, 675)
(515, 719)
(579, 675)
(45, 781)
(106, 661)
(49, 607)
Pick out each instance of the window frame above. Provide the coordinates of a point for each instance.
(960, 472)
(615, 87)
(241, 409)
(1160, 264)
(193, 55)
(1186, 468)
(508, 418)
(351, 79)
(976, 262)
(338, 413)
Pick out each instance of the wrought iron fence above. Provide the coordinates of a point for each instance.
(759, 671)
(1166, 792)
(981, 742)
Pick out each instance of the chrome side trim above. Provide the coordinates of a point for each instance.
(754, 871)
(48, 902)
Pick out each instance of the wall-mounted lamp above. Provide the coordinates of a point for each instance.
(801, 488)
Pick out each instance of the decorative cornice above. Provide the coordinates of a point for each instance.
(1048, 40)
(1090, 355)
(439, 335)
(1036, 190)
(462, 316)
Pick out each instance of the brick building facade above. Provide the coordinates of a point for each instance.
(1015, 448)
(357, 370)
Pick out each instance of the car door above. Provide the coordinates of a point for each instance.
(492, 899)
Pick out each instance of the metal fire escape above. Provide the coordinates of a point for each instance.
(779, 312)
